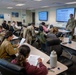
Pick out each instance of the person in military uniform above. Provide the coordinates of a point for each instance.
(6, 48)
(30, 33)
(71, 23)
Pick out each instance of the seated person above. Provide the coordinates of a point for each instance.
(6, 48)
(54, 30)
(11, 29)
(9, 23)
(21, 60)
(15, 26)
(52, 34)
(42, 38)
(44, 27)
(5, 26)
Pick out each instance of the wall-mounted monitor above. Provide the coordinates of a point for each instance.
(62, 15)
(43, 16)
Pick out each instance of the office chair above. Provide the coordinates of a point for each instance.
(7, 68)
(54, 44)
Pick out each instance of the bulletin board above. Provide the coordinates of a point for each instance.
(7, 17)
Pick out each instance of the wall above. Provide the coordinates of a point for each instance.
(28, 16)
(7, 11)
(52, 16)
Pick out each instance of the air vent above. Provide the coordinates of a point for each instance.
(19, 1)
(57, 3)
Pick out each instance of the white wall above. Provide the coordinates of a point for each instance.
(7, 11)
(52, 16)
(28, 16)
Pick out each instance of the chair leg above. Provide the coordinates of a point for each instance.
(71, 56)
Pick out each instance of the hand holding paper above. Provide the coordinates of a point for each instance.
(34, 59)
(39, 60)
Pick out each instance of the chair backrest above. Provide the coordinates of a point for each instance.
(54, 44)
(53, 41)
(7, 68)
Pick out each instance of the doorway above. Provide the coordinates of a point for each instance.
(33, 17)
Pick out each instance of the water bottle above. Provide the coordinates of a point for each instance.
(53, 59)
(70, 39)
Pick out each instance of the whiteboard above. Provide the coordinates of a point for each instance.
(7, 17)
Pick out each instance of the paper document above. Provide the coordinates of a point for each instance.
(33, 59)
(15, 37)
(22, 41)
(48, 27)
(17, 54)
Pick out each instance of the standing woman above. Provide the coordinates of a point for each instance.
(6, 49)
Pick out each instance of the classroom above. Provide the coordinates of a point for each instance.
(37, 37)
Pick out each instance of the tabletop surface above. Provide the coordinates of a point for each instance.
(46, 58)
(63, 31)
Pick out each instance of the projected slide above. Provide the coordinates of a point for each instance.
(43, 16)
(63, 14)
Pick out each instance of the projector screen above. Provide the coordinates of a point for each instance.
(43, 16)
(62, 15)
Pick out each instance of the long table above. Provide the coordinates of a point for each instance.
(70, 48)
(65, 43)
(46, 58)
(64, 31)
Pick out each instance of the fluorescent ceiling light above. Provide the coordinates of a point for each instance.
(37, 0)
(44, 6)
(71, 3)
(20, 4)
(9, 7)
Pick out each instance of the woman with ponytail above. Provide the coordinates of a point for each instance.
(21, 60)
(6, 48)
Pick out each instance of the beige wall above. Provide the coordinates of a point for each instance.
(52, 16)
(28, 16)
(7, 11)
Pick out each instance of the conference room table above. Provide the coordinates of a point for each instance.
(63, 31)
(70, 48)
(65, 43)
(71, 45)
(60, 67)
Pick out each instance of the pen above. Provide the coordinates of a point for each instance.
(50, 70)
